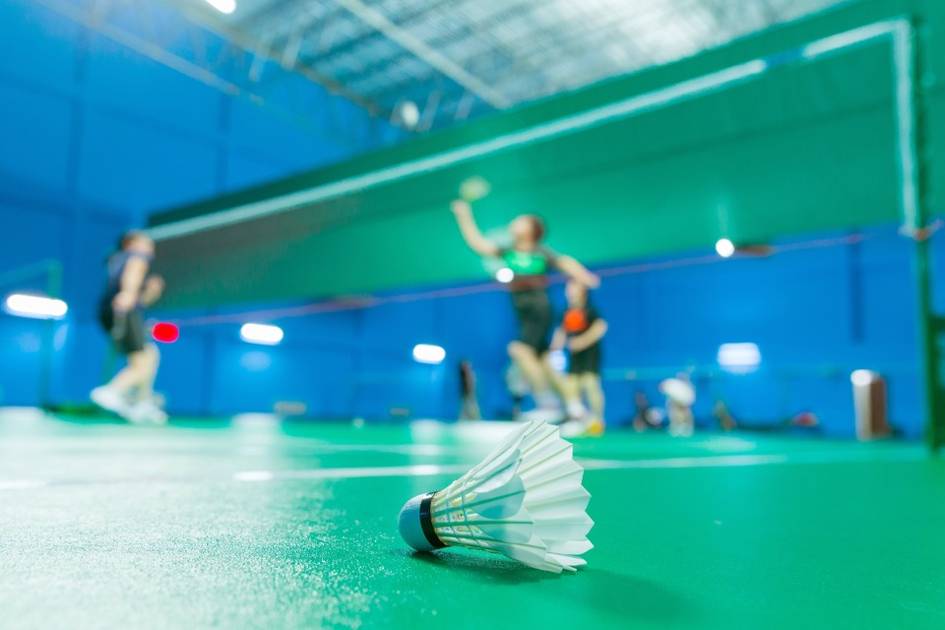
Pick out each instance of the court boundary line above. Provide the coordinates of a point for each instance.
(432, 470)
(900, 30)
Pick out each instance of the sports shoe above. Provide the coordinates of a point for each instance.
(586, 427)
(111, 400)
(146, 411)
(576, 410)
(549, 415)
(595, 428)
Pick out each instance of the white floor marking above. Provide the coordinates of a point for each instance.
(419, 470)
(254, 475)
(431, 470)
(721, 461)
(21, 484)
(685, 462)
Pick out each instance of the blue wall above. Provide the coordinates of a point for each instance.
(816, 314)
(94, 136)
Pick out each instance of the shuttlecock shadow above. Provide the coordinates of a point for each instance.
(488, 568)
(641, 599)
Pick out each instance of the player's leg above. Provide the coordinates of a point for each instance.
(122, 394)
(146, 409)
(527, 361)
(113, 395)
(547, 403)
(150, 370)
(528, 351)
(570, 387)
(594, 394)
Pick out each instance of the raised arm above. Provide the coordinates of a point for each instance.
(470, 231)
(578, 272)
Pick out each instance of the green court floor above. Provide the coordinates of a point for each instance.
(254, 524)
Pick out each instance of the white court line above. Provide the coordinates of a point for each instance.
(432, 470)
(420, 470)
(721, 461)
(21, 484)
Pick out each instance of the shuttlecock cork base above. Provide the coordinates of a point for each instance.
(416, 524)
(525, 501)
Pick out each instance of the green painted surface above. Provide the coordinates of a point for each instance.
(805, 147)
(140, 527)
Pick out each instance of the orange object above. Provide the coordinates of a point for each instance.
(575, 320)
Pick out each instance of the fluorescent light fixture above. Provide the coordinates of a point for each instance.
(35, 306)
(223, 6)
(262, 334)
(863, 378)
(739, 357)
(725, 248)
(505, 275)
(428, 353)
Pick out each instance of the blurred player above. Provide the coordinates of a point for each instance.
(581, 332)
(680, 397)
(645, 416)
(130, 288)
(518, 389)
(530, 262)
(469, 409)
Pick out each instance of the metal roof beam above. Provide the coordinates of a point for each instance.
(426, 53)
(242, 40)
(354, 42)
(472, 28)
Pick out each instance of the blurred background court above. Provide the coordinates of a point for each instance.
(758, 183)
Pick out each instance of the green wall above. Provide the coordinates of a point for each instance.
(804, 147)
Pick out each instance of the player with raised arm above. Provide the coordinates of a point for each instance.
(530, 262)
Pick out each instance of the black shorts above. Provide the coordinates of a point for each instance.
(125, 329)
(586, 361)
(533, 310)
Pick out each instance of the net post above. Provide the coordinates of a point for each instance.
(916, 218)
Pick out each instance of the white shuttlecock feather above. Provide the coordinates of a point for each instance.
(525, 500)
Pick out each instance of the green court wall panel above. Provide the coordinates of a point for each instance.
(805, 147)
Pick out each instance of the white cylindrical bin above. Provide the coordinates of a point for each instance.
(870, 404)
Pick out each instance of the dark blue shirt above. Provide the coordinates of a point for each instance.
(116, 269)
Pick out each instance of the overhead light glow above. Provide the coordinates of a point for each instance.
(428, 353)
(262, 334)
(505, 275)
(725, 248)
(223, 6)
(558, 360)
(739, 357)
(409, 114)
(35, 306)
(165, 332)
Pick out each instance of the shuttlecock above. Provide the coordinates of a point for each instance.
(474, 189)
(525, 500)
